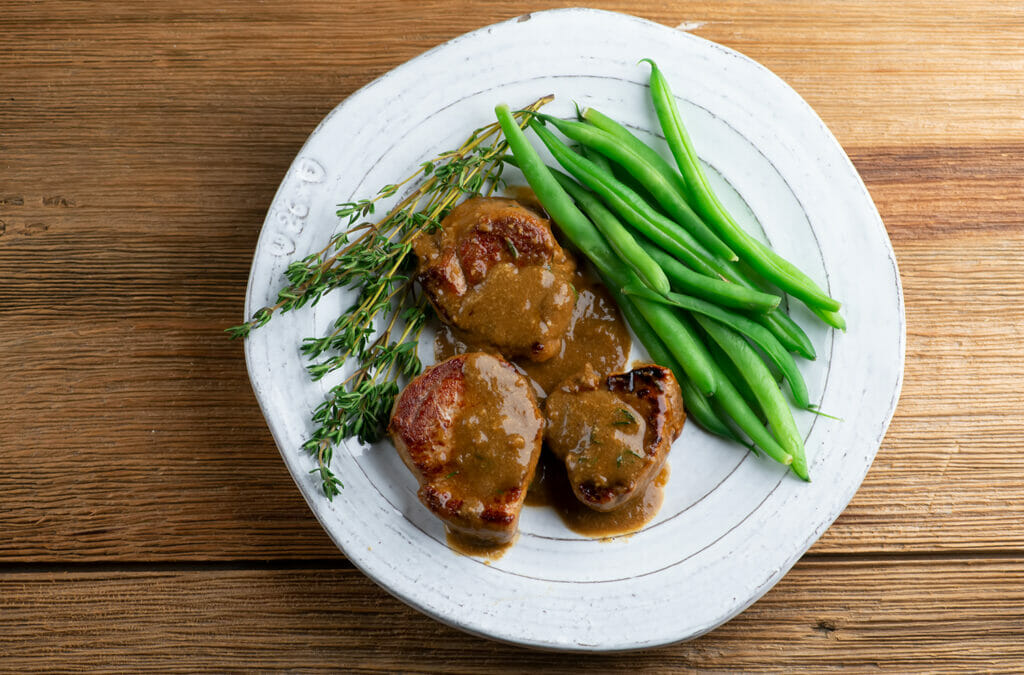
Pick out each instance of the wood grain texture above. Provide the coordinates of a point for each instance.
(152, 404)
(140, 145)
(885, 615)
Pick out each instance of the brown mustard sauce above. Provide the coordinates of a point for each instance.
(597, 336)
(494, 443)
(519, 304)
(478, 549)
(494, 439)
(599, 437)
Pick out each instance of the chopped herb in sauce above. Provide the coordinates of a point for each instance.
(627, 455)
(626, 418)
(512, 248)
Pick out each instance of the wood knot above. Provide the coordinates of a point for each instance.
(826, 628)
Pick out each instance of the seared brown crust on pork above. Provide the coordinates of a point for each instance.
(654, 392)
(423, 415)
(481, 232)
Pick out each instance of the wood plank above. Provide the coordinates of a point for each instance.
(131, 430)
(882, 72)
(922, 71)
(892, 615)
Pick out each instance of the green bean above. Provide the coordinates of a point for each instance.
(716, 407)
(665, 191)
(730, 371)
(791, 335)
(831, 318)
(784, 328)
(643, 217)
(697, 405)
(733, 404)
(777, 321)
(632, 255)
(626, 137)
(716, 290)
(788, 332)
(705, 413)
(780, 418)
(760, 335)
(777, 374)
(597, 158)
(630, 206)
(620, 175)
(768, 264)
(621, 241)
(626, 179)
(684, 343)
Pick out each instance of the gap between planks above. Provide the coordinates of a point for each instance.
(340, 563)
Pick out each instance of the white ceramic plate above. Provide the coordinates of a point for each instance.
(732, 524)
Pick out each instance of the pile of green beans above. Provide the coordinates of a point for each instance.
(673, 266)
(773, 267)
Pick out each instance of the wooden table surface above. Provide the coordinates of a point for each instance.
(146, 518)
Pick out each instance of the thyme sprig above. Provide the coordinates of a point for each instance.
(379, 332)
